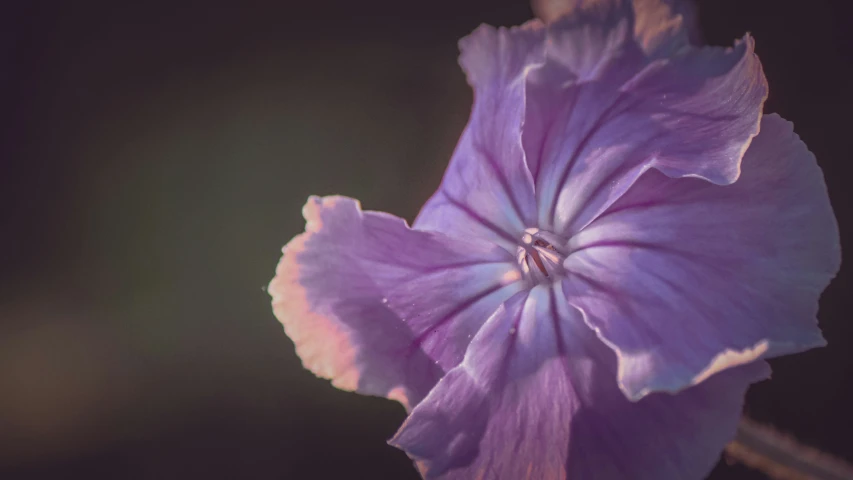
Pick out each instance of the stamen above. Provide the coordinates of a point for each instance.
(538, 261)
(538, 249)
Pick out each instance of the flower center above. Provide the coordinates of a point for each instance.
(541, 255)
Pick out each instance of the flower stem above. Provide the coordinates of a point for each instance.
(781, 457)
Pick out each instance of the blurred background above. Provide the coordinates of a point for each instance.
(155, 157)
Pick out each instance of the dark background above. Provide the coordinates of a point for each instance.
(155, 158)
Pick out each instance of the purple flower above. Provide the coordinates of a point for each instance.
(611, 254)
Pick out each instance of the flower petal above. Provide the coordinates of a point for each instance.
(487, 191)
(355, 294)
(684, 278)
(536, 398)
(590, 132)
(661, 27)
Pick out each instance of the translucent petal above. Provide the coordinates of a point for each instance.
(380, 308)
(684, 278)
(536, 398)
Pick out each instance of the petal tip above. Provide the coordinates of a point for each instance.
(489, 54)
(728, 359)
(321, 342)
(731, 358)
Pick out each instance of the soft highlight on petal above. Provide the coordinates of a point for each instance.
(321, 342)
(683, 278)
